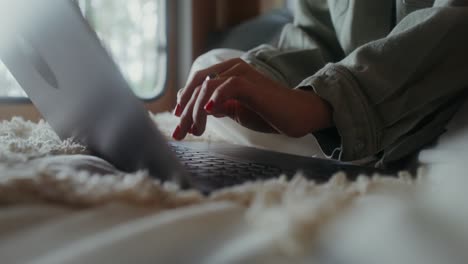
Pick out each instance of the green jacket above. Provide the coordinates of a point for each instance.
(394, 71)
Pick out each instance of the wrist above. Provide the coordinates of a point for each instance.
(318, 112)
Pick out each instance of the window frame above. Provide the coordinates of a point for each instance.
(14, 100)
(168, 41)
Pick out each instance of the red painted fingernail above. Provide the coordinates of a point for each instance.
(178, 110)
(176, 134)
(209, 106)
(193, 129)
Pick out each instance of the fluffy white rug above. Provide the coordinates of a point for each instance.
(372, 220)
(37, 166)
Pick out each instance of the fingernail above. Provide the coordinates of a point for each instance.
(178, 110)
(176, 134)
(209, 106)
(193, 129)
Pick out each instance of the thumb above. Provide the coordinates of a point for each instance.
(230, 108)
(225, 100)
(243, 115)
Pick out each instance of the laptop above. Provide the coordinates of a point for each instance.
(59, 61)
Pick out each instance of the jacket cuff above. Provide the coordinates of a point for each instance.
(352, 113)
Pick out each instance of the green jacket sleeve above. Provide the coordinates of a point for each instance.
(394, 95)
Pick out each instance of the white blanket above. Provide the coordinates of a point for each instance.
(79, 209)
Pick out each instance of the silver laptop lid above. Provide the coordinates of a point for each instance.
(58, 60)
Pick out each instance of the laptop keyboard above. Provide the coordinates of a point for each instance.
(218, 169)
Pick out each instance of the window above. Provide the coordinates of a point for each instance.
(134, 33)
(9, 88)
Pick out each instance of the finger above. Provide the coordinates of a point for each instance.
(199, 77)
(233, 88)
(240, 100)
(253, 97)
(247, 71)
(230, 108)
(178, 109)
(186, 120)
(246, 116)
(239, 69)
(199, 113)
(237, 97)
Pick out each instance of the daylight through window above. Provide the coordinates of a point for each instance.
(134, 32)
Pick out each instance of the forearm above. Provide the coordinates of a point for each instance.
(389, 90)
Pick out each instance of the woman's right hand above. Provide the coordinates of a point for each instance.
(251, 99)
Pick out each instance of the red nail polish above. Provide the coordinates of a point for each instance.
(193, 130)
(178, 110)
(176, 134)
(209, 106)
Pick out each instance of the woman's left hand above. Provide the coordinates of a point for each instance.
(242, 93)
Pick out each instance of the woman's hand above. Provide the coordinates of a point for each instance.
(242, 93)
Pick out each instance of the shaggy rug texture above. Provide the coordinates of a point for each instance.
(37, 166)
(372, 220)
